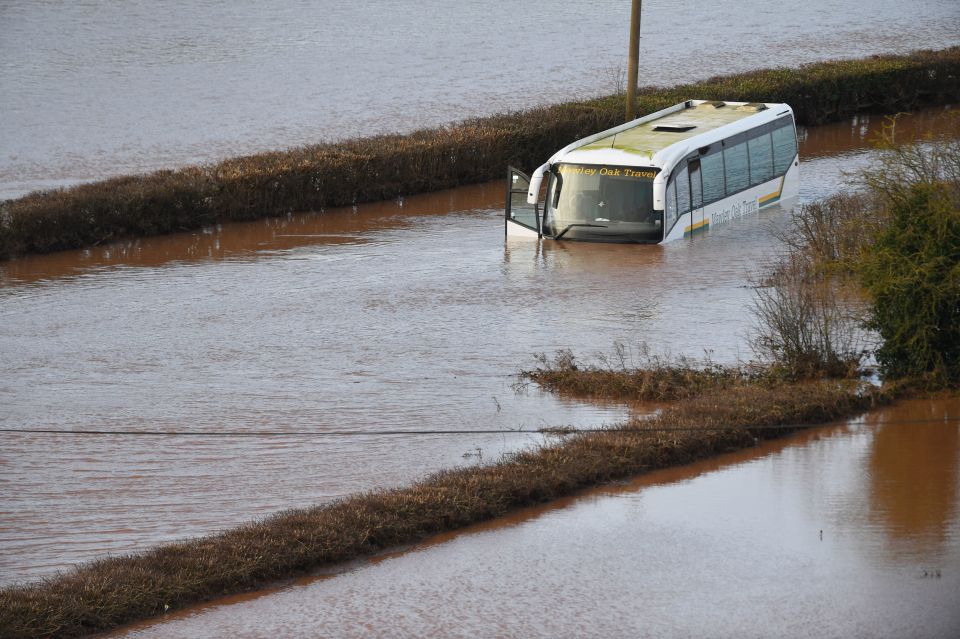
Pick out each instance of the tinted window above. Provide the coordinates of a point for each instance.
(784, 148)
(711, 168)
(683, 191)
(761, 159)
(671, 205)
(737, 167)
(696, 190)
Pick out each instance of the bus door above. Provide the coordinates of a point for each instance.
(522, 219)
(696, 199)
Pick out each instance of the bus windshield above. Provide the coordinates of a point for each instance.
(613, 203)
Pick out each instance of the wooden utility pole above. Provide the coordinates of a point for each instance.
(633, 66)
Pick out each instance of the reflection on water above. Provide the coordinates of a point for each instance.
(401, 316)
(762, 542)
(864, 131)
(913, 476)
(247, 240)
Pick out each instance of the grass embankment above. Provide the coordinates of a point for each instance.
(312, 178)
(110, 592)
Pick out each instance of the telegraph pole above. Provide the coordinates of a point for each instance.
(633, 66)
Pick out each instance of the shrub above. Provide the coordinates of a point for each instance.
(912, 270)
(913, 277)
(808, 322)
(901, 236)
(832, 233)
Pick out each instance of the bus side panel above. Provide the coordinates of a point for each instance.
(782, 191)
(677, 232)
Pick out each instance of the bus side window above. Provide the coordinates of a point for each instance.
(696, 185)
(784, 148)
(682, 180)
(737, 167)
(761, 159)
(671, 207)
(711, 168)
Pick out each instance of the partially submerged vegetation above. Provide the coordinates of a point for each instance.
(652, 379)
(884, 259)
(113, 591)
(722, 410)
(899, 239)
(810, 322)
(912, 268)
(312, 178)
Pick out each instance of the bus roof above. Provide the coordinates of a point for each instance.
(641, 142)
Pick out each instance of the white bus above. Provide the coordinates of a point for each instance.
(668, 175)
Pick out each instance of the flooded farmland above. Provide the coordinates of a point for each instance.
(95, 89)
(849, 530)
(290, 329)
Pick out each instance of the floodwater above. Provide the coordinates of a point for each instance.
(851, 530)
(90, 89)
(394, 316)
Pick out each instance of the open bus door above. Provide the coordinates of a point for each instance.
(522, 219)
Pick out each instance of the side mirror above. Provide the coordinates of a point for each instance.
(536, 179)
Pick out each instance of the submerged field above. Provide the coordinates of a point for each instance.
(314, 178)
(455, 258)
(708, 411)
(106, 593)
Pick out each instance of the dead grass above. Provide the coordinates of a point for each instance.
(654, 378)
(110, 592)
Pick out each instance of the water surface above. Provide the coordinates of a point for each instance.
(851, 530)
(90, 89)
(406, 316)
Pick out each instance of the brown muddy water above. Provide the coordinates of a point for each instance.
(94, 89)
(404, 316)
(850, 530)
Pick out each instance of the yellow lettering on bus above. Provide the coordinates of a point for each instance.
(640, 174)
(607, 171)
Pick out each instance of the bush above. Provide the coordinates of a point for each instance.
(808, 322)
(898, 241)
(913, 276)
(832, 233)
(912, 271)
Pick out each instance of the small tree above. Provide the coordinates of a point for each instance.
(901, 238)
(807, 321)
(913, 276)
(912, 269)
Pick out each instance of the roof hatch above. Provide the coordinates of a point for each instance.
(674, 128)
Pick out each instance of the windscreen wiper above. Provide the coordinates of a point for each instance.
(563, 232)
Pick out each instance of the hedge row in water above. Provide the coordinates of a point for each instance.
(312, 178)
(109, 592)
